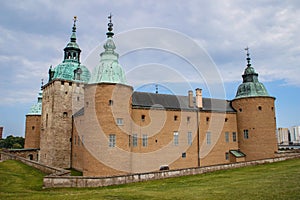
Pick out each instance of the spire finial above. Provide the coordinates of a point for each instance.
(42, 83)
(110, 26)
(248, 56)
(74, 25)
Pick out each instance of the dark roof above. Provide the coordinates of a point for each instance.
(166, 101)
(79, 112)
(175, 102)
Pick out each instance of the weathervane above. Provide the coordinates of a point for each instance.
(248, 56)
(74, 25)
(110, 26)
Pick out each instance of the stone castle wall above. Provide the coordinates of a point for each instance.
(61, 99)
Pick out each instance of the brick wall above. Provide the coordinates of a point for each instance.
(32, 131)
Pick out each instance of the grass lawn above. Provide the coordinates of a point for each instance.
(279, 180)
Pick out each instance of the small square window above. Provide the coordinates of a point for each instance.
(120, 121)
(183, 155)
(143, 118)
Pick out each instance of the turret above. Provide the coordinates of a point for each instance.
(255, 116)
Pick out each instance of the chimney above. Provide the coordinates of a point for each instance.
(199, 103)
(191, 99)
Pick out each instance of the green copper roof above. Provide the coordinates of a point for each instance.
(36, 109)
(250, 87)
(109, 70)
(70, 68)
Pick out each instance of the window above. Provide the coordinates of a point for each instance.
(143, 118)
(119, 121)
(226, 119)
(188, 119)
(207, 119)
(70, 83)
(129, 140)
(74, 139)
(190, 139)
(175, 139)
(240, 110)
(112, 140)
(175, 117)
(246, 134)
(227, 156)
(134, 140)
(183, 155)
(145, 140)
(259, 108)
(78, 98)
(208, 138)
(32, 127)
(65, 114)
(234, 136)
(110, 102)
(62, 82)
(227, 136)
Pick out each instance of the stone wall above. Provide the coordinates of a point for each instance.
(44, 168)
(68, 181)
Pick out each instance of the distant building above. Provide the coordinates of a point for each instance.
(99, 125)
(283, 136)
(295, 135)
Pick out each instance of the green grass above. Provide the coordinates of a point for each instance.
(271, 181)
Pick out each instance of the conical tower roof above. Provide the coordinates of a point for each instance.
(250, 87)
(109, 70)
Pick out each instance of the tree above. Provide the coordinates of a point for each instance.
(11, 142)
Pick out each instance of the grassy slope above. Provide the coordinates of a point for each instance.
(271, 181)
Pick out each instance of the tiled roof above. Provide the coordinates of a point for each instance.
(166, 101)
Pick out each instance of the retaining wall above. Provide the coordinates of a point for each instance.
(71, 181)
(44, 168)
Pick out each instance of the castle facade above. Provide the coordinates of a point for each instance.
(96, 122)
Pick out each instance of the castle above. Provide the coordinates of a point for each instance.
(97, 124)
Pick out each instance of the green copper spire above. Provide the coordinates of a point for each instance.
(70, 69)
(36, 109)
(250, 87)
(109, 70)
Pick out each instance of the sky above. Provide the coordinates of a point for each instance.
(178, 45)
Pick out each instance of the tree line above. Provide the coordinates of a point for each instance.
(12, 142)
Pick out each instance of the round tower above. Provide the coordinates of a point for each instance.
(256, 121)
(106, 120)
(33, 125)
